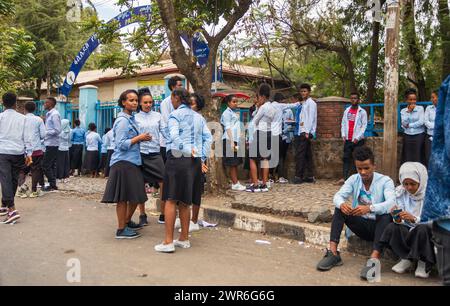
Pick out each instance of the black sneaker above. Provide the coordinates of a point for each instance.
(134, 226)
(143, 220)
(329, 261)
(161, 219)
(297, 180)
(309, 180)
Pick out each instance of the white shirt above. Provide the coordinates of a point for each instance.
(35, 128)
(308, 117)
(14, 139)
(277, 124)
(151, 123)
(231, 121)
(166, 109)
(430, 117)
(264, 117)
(92, 141)
(406, 203)
(360, 124)
(110, 145)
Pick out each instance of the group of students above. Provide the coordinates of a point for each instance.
(266, 140)
(167, 149)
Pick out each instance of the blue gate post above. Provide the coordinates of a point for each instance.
(88, 100)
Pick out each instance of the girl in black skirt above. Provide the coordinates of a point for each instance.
(62, 159)
(93, 140)
(410, 240)
(125, 184)
(152, 162)
(413, 124)
(182, 179)
(104, 153)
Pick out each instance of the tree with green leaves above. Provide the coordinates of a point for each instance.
(16, 52)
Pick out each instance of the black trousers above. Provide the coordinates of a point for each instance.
(304, 167)
(281, 169)
(427, 148)
(10, 167)
(349, 165)
(366, 229)
(441, 240)
(413, 244)
(49, 164)
(37, 173)
(76, 157)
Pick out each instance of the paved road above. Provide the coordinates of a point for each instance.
(58, 227)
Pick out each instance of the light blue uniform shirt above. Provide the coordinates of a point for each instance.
(14, 139)
(415, 119)
(78, 136)
(230, 120)
(53, 128)
(92, 141)
(110, 145)
(430, 117)
(125, 128)
(151, 123)
(382, 193)
(203, 137)
(35, 129)
(104, 149)
(166, 108)
(180, 131)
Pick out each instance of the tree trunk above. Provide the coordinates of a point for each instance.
(444, 20)
(373, 66)
(347, 58)
(38, 89)
(414, 50)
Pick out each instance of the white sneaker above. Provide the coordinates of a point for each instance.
(237, 187)
(177, 223)
(165, 248)
(193, 227)
(36, 194)
(421, 270)
(22, 195)
(402, 266)
(282, 180)
(182, 244)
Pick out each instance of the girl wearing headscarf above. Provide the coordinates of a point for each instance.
(63, 158)
(408, 239)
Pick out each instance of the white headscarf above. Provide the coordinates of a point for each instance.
(416, 172)
(65, 126)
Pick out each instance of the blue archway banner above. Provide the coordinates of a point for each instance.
(124, 19)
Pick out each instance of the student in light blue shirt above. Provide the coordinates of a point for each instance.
(231, 140)
(362, 204)
(93, 141)
(413, 124)
(203, 140)
(62, 160)
(110, 146)
(152, 168)
(125, 184)
(182, 178)
(430, 117)
(53, 129)
(104, 151)
(78, 140)
(15, 152)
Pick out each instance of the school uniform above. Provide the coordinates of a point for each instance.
(91, 161)
(62, 159)
(36, 128)
(166, 108)
(353, 127)
(110, 146)
(125, 181)
(286, 139)
(53, 129)
(103, 154)
(182, 179)
(411, 240)
(14, 144)
(230, 121)
(430, 117)
(414, 134)
(152, 161)
(78, 140)
(307, 124)
(261, 145)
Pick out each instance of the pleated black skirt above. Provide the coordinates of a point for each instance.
(108, 160)
(62, 165)
(91, 161)
(183, 179)
(76, 156)
(125, 184)
(152, 168)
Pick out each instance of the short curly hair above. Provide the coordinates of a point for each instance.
(363, 153)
